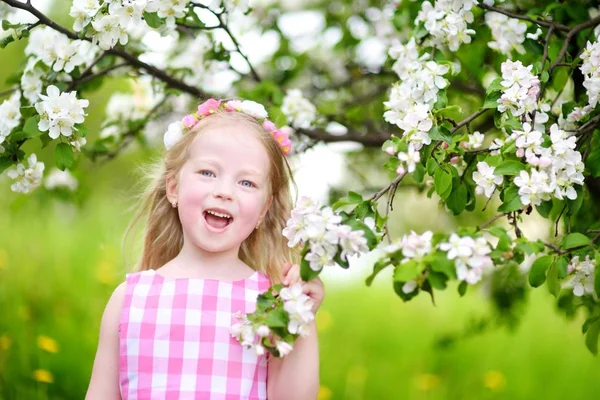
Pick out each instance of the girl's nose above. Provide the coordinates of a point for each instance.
(223, 191)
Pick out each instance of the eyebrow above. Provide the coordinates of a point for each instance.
(245, 171)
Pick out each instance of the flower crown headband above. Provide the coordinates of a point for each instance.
(176, 130)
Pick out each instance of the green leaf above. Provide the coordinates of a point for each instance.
(407, 271)
(491, 100)
(495, 86)
(552, 280)
(462, 288)
(537, 274)
(457, 200)
(153, 20)
(377, 268)
(306, 272)
(442, 181)
(440, 133)
(419, 173)
(277, 317)
(591, 337)
(574, 240)
(348, 203)
(452, 111)
(437, 280)
(562, 266)
(560, 79)
(64, 156)
(544, 76)
(509, 167)
(6, 40)
(587, 323)
(597, 274)
(544, 208)
(5, 162)
(574, 205)
(31, 127)
(512, 201)
(440, 263)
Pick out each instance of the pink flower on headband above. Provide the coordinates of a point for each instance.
(189, 121)
(209, 107)
(269, 126)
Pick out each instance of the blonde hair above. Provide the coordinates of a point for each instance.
(265, 250)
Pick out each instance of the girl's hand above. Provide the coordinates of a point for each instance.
(313, 289)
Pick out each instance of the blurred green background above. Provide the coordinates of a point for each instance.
(61, 257)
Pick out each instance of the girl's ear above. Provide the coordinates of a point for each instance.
(171, 187)
(266, 208)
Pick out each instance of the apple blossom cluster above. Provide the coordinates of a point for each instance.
(57, 51)
(412, 99)
(582, 279)
(10, 115)
(251, 337)
(590, 69)
(298, 307)
(486, 180)
(112, 20)
(59, 112)
(470, 255)
(521, 88)
(508, 33)
(413, 246)
(298, 110)
(322, 229)
(27, 178)
(570, 122)
(555, 169)
(446, 22)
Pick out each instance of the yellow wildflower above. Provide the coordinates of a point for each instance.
(47, 344)
(427, 382)
(494, 380)
(5, 342)
(324, 393)
(105, 272)
(42, 375)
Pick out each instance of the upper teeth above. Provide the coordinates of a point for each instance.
(218, 214)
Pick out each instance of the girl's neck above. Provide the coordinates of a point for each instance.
(193, 262)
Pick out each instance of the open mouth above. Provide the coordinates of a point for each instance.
(217, 219)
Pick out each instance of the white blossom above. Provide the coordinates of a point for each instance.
(60, 179)
(173, 135)
(470, 257)
(582, 276)
(253, 109)
(446, 22)
(59, 112)
(485, 179)
(298, 110)
(409, 160)
(590, 68)
(299, 307)
(508, 33)
(27, 177)
(415, 246)
(10, 115)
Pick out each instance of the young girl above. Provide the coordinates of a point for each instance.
(216, 208)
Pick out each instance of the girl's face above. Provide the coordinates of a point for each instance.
(223, 188)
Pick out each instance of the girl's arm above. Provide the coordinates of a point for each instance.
(296, 376)
(104, 384)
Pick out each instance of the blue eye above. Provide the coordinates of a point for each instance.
(206, 172)
(247, 184)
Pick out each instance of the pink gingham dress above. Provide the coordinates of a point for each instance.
(175, 341)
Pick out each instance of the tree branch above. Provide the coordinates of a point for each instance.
(540, 22)
(131, 59)
(574, 31)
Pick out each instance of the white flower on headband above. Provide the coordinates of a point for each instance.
(173, 135)
(253, 109)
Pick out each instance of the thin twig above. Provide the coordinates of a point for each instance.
(541, 22)
(383, 191)
(8, 91)
(572, 32)
(485, 224)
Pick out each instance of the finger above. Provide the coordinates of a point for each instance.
(312, 287)
(293, 275)
(286, 268)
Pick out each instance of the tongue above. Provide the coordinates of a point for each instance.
(216, 222)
